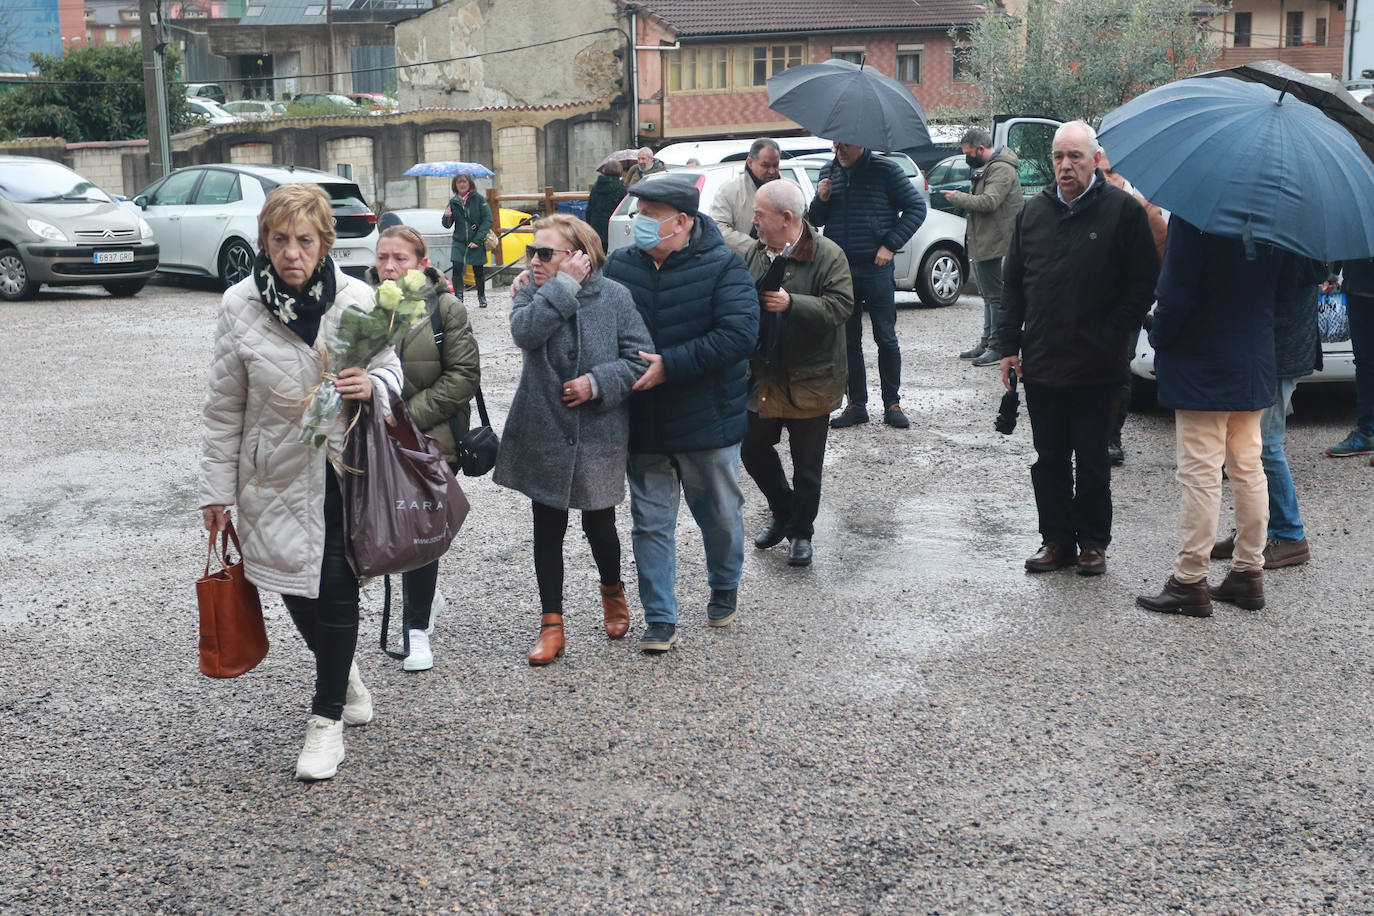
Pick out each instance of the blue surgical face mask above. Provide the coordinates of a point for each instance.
(645, 230)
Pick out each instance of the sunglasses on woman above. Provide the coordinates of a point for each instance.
(544, 254)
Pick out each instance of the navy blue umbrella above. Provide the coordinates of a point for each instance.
(1244, 160)
(850, 103)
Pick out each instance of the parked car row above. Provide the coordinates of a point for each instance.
(207, 101)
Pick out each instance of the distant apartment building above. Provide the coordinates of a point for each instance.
(701, 69)
(1307, 34)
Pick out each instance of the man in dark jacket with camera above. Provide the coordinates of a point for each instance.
(870, 209)
(687, 417)
(1079, 277)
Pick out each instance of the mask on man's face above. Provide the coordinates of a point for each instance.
(974, 161)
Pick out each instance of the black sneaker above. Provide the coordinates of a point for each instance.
(973, 353)
(720, 610)
(658, 637)
(852, 415)
(989, 358)
(894, 417)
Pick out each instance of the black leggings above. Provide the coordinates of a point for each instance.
(550, 525)
(479, 276)
(329, 623)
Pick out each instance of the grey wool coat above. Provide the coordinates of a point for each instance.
(572, 458)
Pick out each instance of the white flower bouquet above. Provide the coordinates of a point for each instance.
(360, 336)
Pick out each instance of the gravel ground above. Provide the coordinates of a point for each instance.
(911, 725)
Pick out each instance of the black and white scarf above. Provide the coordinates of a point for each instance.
(301, 312)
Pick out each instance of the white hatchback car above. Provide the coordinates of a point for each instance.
(934, 262)
(205, 217)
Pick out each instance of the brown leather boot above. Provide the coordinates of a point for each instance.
(550, 644)
(616, 612)
(1192, 599)
(1243, 589)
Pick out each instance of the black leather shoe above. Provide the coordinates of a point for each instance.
(799, 552)
(1192, 599)
(1243, 589)
(1116, 455)
(720, 610)
(852, 415)
(1049, 557)
(1225, 548)
(1092, 561)
(894, 417)
(771, 535)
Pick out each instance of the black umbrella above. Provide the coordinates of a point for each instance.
(1318, 91)
(850, 103)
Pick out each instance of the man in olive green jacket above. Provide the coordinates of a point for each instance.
(798, 372)
(992, 206)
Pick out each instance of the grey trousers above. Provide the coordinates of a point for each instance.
(988, 275)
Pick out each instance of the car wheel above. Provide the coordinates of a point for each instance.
(124, 288)
(235, 262)
(941, 277)
(15, 283)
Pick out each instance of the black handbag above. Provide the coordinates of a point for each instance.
(476, 448)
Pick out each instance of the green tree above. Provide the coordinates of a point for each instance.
(1082, 58)
(93, 93)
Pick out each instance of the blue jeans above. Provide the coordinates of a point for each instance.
(709, 479)
(1360, 309)
(876, 293)
(1285, 524)
(988, 275)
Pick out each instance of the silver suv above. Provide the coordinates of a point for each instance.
(59, 229)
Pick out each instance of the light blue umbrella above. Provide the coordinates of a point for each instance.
(448, 169)
(1244, 160)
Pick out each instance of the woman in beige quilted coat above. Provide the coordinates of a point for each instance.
(269, 354)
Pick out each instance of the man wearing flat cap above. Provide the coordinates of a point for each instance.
(687, 417)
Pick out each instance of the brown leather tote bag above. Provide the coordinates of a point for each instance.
(233, 639)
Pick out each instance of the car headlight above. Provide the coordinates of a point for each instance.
(46, 231)
(144, 229)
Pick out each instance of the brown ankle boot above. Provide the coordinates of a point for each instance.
(550, 644)
(616, 611)
(1190, 598)
(1243, 589)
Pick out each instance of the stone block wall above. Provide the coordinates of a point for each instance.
(517, 159)
(357, 153)
(251, 153)
(439, 145)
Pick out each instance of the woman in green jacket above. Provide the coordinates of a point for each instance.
(438, 389)
(470, 218)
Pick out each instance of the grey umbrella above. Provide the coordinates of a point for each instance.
(850, 103)
(1327, 95)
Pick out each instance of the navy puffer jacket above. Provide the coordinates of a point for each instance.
(1213, 330)
(703, 315)
(872, 203)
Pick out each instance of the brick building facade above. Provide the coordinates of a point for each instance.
(701, 74)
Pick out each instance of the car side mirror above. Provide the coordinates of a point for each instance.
(141, 201)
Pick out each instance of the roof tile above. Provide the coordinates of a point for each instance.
(692, 18)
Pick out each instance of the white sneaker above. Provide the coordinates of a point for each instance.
(435, 607)
(358, 700)
(420, 657)
(323, 749)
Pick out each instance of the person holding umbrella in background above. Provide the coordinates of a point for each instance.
(1224, 156)
(865, 201)
(470, 217)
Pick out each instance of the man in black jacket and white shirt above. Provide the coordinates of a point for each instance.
(1078, 279)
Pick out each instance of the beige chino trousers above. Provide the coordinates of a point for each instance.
(1205, 440)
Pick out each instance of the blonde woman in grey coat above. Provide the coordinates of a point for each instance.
(566, 438)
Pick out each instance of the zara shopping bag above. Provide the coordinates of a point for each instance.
(402, 504)
(232, 636)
